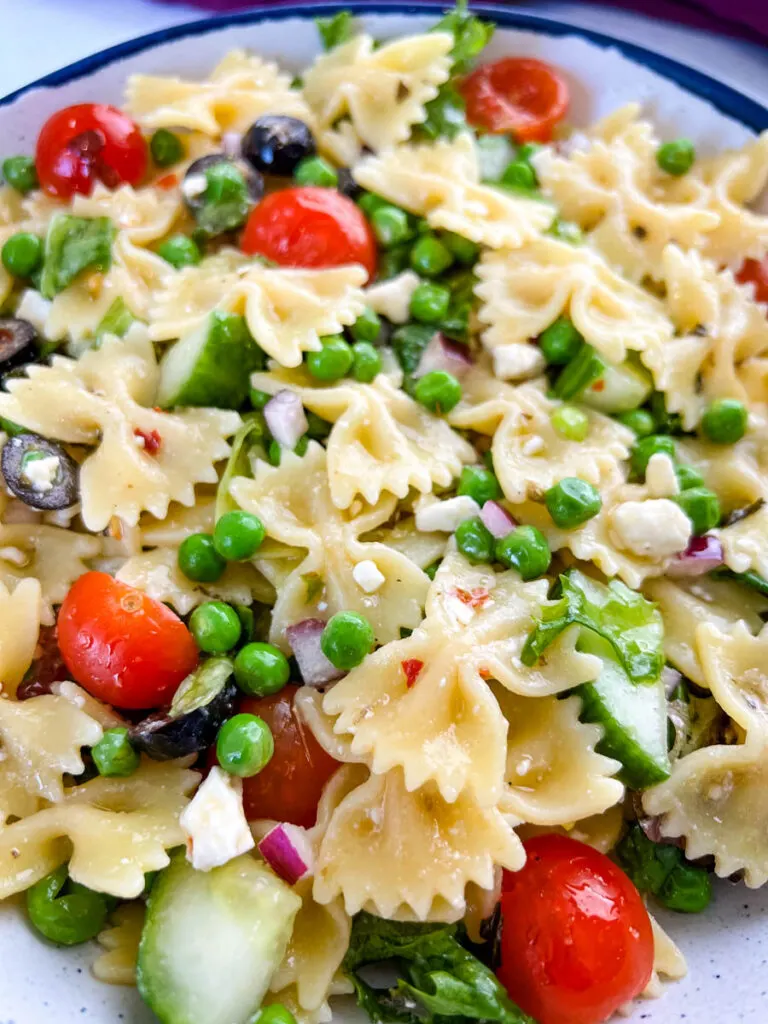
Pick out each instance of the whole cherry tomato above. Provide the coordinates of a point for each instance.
(755, 272)
(289, 787)
(122, 646)
(576, 939)
(89, 142)
(517, 95)
(310, 227)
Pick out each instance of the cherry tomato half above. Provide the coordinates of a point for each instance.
(289, 788)
(310, 227)
(576, 940)
(755, 272)
(89, 142)
(122, 646)
(519, 95)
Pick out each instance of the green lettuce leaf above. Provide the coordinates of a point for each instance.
(663, 871)
(471, 35)
(74, 244)
(632, 625)
(336, 30)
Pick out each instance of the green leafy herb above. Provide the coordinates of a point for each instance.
(117, 320)
(663, 871)
(251, 433)
(749, 579)
(201, 686)
(471, 35)
(632, 625)
(438, 977)
(336, 30)
(408, 343)
(74, 244)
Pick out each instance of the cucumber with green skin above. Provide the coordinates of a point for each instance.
(212, 940)
(633, 717)
(590, 379)
(210, 366)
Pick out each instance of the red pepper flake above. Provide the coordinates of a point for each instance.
(599, 385)
(411, 668)
(152, 440)
(168, 181)
(484, 673)
(474, 598)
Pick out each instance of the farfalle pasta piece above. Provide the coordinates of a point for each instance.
(485, 400)
(377, 92)
(668, 962)
(529, 455)
(294, 502)
(745, 543)
(410, 854)
(734, 664)
(20, 611)
(240, 89)
(737, 473)
(287, 310)
(441, 181)
(105, 400)
(421, 548)
(119, 941)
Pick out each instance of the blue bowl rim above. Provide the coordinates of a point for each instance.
(725, 98)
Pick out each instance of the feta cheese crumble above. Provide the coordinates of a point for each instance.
(194, 185)
(392, 298)
(660, 477)
(655, 529)
(368, 576)
(214, 822)
(445, 516)
(517, 362)
(34, 308)
(41, 473)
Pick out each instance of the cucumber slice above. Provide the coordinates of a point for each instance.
(212, 940)
(633, 717)
(610, 389)
(211, 366)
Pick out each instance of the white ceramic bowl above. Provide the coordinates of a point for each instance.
(727, 947)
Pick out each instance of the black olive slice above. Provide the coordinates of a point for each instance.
(347, 184)
(18, 343)
(164, 738)
(53, 488)
(276, 144)
(194, 199)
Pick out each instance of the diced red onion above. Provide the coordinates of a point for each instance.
(315, 668)
(443, 354)
(286, 418)
(231, 142)
(701, 555)
(670, 679)
(496, 519)
(288, 851)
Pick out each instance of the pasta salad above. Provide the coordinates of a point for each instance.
(384, 538)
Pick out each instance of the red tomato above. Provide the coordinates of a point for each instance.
(576, 940)
(123, 647)
(520, 95)
(755, 272)
(289, 788)
(310, 227)
(89, 142)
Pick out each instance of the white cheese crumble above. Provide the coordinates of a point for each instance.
(660, 477)
(392, 298)
(533, 446)
(517, 362)
(445, 516)
(368, 576)
(15, 556)
(194, 185)
(34, 308)
(214, 822)
(40, 474)
(656, 529)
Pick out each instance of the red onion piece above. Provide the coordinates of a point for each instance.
(443, 354)
(288, 851)
(701, 555)
(496, 519)
(285, 418)
(315, 668)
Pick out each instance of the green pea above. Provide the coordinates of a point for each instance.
(346, 640)
(560, 342)
(261, 669)
(166, 147)
(572, 502)
(393, 262)
(275, 1013)
(317, 428)
(429, 257)
(676, 157)
(520, 175)
(430, 302)
(113, 755)
(367, 326)
(22, 254)
(431, 570)
(238, 535)
(479, 483)
(686, 889)
(391, 225)
(65, 912)
(438, 391)
(215, 626)
(367, 362)
(245, 745)
(258, 399)
(474, 540)
(724, 421)
(20, 173)
(199, 560)
(688, 476)
(654, 444)
(369, 203)
(180, 251)
(525, 549)
(639, 421)
(314, 170)
(570, 422)
(702, 507)
(462, 250)
(333, 361)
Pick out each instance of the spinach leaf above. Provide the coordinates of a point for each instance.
(663, 871)
(73, 244)
(336, 30)
(408, 343)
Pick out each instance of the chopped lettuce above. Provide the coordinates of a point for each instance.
(74, 244)
(632, 625)
(662, 870)
(336, 30)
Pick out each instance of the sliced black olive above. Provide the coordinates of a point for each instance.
(164, 738)
(195, 200)
(347, 184)
(47, 491)
(276, 144)
(18, 343)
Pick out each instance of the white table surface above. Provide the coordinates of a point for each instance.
(39, 36)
